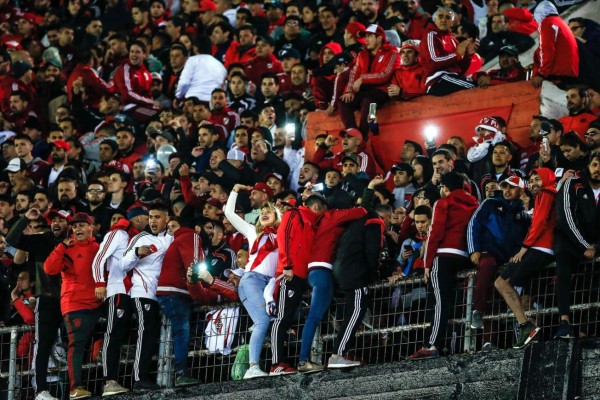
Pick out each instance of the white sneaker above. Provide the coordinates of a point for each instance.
(341, 362)
(44, 395)
(254, 372)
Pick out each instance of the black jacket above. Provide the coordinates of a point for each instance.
(356, 262)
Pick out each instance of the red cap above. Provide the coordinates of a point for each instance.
(207, 5)
(355, 29)
(513, 180)
(353, 132)
(411, 44)
(374, 29)
(262, 187)
(81, 217)
(215, 203)
(59, 213)
(61, 144)
(30, 17)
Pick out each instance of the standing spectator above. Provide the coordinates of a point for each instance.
(133, 82)
(295, 238)
(79, 305)
(576, 237)
(261, 267)
(579, 117)
(417, 20)
(445, 60)
(445, 254)
(144, 256)
(556, 58)
(114, 289)
(95, 86)
(201, 74)
(369, 79)
(355, 267)
(535, 253)
(495, 233)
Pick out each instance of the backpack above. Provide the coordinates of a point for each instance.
(241, 363)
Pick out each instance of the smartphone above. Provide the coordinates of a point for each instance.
(372, 111)
(318, 187)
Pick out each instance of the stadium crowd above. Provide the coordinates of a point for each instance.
(153, 157)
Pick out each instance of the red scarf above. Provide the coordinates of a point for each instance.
(265, 249)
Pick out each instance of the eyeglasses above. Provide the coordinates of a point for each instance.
(574, 28)
(590, 134)
(95, 191)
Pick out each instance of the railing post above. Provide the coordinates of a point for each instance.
(12, 364)
(469, 343)
(164, 376)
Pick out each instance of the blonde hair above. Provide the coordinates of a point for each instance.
(271, 207)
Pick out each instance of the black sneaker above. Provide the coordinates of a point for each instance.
(144, 386)
(528, 332)
(477, 320)
(564, 331)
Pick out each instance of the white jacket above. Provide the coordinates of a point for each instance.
(108, 259)
(146, 270)
(200, 76)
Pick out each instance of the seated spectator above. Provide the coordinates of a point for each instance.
(556, 58)
(510, 69)
(592, 137)
(500, 37)
(587, 33)
(445, 60)
(264, 62)
(579, 117)
(323, 85)
(351, 144)
(374, 75)
(407, 81)
(575, 151)
(243, 49)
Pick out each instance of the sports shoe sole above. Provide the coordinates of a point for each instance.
(105, 394)
(282, 373)
(529, 338)
(342, 366)
(311, 371)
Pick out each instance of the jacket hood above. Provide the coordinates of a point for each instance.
(548, 178)
(182, 231)
(543, 10)
(463, 199)
(333, 46)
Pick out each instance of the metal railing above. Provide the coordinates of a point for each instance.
(393, 329)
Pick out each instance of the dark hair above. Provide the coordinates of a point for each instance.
(239, 75)
(425, 162)
(142, 5)
(209, 127)
(22, 136)
(581, 90)
(453, 181)
(22, 95)
(442, 152)
(138, 43)
(471, 30)
(204, 44)
(572, 139)
(269, 75)
(330, 8)
(557, 125)
(423, 210)
(159, 207)
(505, 143)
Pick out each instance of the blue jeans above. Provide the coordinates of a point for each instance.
(250, 290)
(177, 309)
(321, 282)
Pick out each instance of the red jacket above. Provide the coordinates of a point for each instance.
(133, 84)
(448, 230)
(411, 81)
(74, 263)
(179, 256)
(438, 54)
(330, 229)
(578, 123)
(557, 54)
(258, 66)
(233, 54)
(320, 158)
(95, 87)
(500, 76)
(295, 238)
(227, 118)
(375, 70)
(520, 20)
(9, 84)
(543, 220)
(416, 27)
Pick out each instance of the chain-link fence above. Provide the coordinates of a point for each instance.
(393, 328)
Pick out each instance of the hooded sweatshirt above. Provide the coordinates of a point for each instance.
(448, 230)
(375, 70)
(557, 54)
(543, 219)
(322, 86)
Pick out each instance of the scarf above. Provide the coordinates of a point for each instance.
(266, 249)
(482, 145)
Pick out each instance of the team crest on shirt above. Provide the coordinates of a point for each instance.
(269, 65)
(147, 307)
(120, 313)
(380, 59)
(225, 121)
(214, 262)
(291, 293)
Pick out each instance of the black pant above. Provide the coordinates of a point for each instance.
(148, 314)
(117, 330)
(442, 278)
(80, 327)
(354, 312)
(361, 101)
(567, 255)
(288, 302)
(449, 83)
(48, 319)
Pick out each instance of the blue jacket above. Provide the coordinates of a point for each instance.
(498, 227)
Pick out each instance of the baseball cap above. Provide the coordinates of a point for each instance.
(136, 212)
(411, 44)
(403, 167)
(352, 157)
(262, 187)
(374, 29)
(274, 175)
(289, 53)
(356, 29)
(150, 195)
(514, 181)
(235, 154)
(207, 5)
(236, 272)
(16, 165)
(156, 76)
(64, 214)
(61, 144)
(81, 217)
(20, 68)
(510, 50)
(353, 132)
